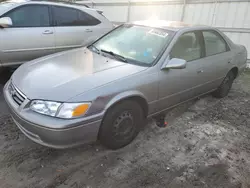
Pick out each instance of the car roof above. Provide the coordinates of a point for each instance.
(50, 2)
(59, 2)
(169, 25)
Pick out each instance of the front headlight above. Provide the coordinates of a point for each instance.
(57, 109)
(45, 107)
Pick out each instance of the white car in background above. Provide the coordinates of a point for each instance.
(31, 29)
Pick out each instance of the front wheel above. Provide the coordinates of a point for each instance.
(121, 124)
(225, 86)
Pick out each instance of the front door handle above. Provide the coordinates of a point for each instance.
(200, 71)
(88, 30)
(47, 32)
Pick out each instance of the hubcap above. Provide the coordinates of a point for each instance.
(124, 125)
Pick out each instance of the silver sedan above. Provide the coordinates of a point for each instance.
(107, 90)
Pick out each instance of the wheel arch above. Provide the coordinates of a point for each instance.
(130, 95)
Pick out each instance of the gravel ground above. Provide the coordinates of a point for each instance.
(206, 144)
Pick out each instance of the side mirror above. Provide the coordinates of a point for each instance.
(5, 22)
(175, 63)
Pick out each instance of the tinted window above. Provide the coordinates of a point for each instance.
(72, 17)
(30, 16)
(65, 16)
(187, 47)
(214, 43)
(86, 19)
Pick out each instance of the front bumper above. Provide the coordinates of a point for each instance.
(58, 138)
(76, 132)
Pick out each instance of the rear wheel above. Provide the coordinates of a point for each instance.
(225, 86)
(121, 124)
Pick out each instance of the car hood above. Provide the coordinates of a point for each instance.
(64, 75)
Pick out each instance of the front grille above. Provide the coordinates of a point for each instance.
(16, 95)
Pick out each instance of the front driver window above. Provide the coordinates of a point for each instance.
(187, 47)
(30, 16)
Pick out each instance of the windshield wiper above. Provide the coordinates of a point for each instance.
(117, 56)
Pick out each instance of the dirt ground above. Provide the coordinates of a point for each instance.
(206, 144)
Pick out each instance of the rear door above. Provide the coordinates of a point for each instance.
(73, 27)
(216, 62)
(31, 35)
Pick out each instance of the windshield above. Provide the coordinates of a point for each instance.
(5, 6)
(137, 44)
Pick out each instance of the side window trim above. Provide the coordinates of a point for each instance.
(50, 16)
(199, 36)
(198, 33)
(21, 6)
(218, 35)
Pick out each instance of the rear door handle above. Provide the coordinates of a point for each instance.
(88, 30)
(47, 32)
(200, 71)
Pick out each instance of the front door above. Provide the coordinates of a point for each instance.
(30, 36)
(179, 85)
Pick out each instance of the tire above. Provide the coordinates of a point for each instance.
(121, 124)
(225, 86)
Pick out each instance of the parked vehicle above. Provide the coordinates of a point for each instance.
(32, 29)
(107, 90)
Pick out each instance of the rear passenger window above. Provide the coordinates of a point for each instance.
(72, 17)
(187, 47)
(214, 43)
(65, 16)
(86, 19)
